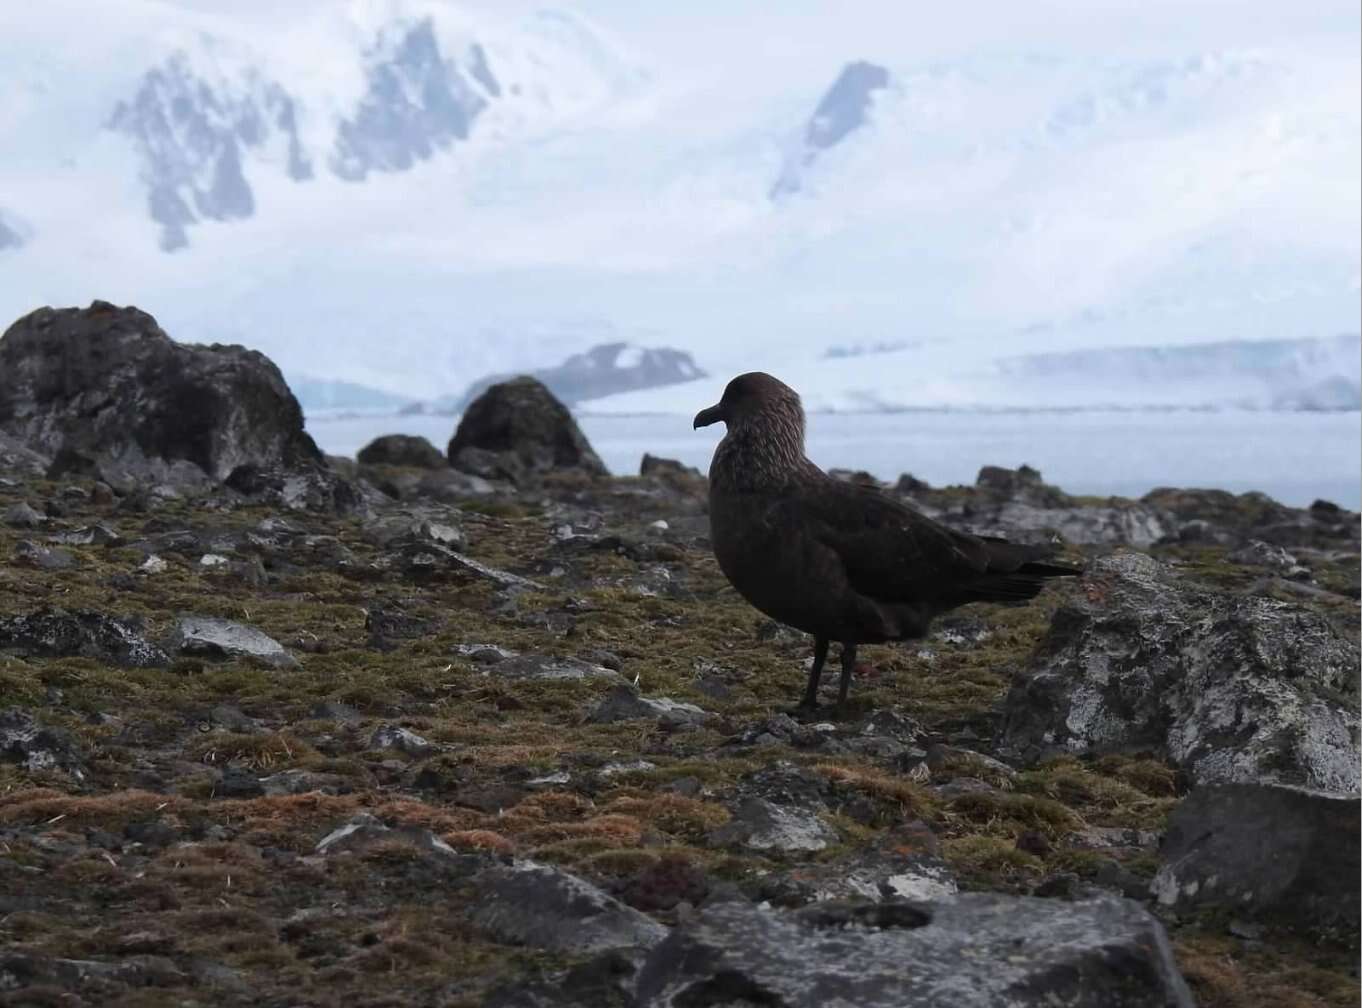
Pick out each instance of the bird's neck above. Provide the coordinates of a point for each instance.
(758, 457)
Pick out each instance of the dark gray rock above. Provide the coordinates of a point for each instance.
(54, 633)
(545, 907)
(17, 459)
(22, 971)
(31, 554)
(103, 390)
(21, 515)
(385, 624)
(1019, 503)
(25, 741)
(1222, 517)
(238, 783)
(623, 703)
(1256, 553)
(974, 951)
(401, 450)
(652, 465)
(402, 739)
(365, 831)
(536, 666)
(517, 430)
(1277, 853)
(892, 870)
(302, 488)
(296, 782)
(1227, 687)
(413, 528)
(603, 981)
(210, 637)
(87, 535)
(763, 825)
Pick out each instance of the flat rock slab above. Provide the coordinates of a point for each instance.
(1266, 851)
(210, 637)
(974, 951)
(544, 907)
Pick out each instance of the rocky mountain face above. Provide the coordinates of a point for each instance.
(842, 110)
(517, 741)
(605, 370)
(416, 103)
(193, 137)
(204, 130)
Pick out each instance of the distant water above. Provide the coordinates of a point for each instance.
(1294, 457)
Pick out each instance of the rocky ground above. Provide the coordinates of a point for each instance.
(395, 734)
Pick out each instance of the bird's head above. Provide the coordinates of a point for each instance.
(754, 399)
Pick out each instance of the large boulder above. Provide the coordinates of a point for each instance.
(973, 951)
(1226, 687)
(1282, 854)
(518, 430)
(104, 390)
(401, 450)
(55, 633)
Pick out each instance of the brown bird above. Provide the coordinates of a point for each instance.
(841, 561)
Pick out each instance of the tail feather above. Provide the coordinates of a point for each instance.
(1023, 582)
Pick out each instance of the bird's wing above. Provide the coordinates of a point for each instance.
(889, 551)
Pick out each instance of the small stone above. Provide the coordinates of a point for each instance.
(238, 782)
(213, 560)
(623, 703)
(484, 654)
(30, 554)
(763, 825)
(402, 739)
(1034, 842)
(154, 564)
(88, 535)
(334, 710)
(21, 515)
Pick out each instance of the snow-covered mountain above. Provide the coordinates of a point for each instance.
(409, 195)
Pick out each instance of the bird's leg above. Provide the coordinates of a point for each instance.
(848, 663)
(820, 655)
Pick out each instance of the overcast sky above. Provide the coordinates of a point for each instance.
(701, 32)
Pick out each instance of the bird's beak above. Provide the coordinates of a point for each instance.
(708, 416)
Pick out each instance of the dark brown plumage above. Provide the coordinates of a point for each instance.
(841, 561)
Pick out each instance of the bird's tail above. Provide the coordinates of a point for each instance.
(1030, 567)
